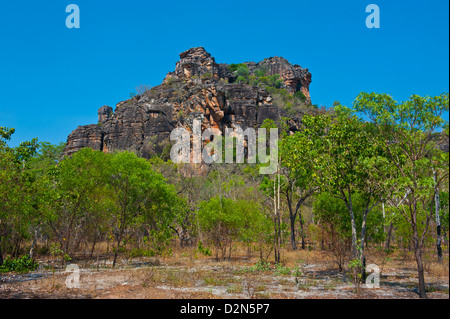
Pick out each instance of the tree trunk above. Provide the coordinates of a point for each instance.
(16, 247)
(438, 224)
(293, 240)
(349, 205)
(276, 206)
(301, 227)
(116, 253)
(93, 245)
(115, 257)
(277, 241)
(387, 245)
(419, 261)
(1, 255)
(439, 243)
(33, 245)
(363, 255)
(354, 237)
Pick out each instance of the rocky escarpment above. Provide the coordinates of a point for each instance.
(197, 88)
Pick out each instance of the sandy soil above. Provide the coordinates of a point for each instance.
(185, 275)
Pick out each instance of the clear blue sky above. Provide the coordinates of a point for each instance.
(53, 79)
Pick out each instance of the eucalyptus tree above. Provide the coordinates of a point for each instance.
(17, 190)
(298, 184)
(337, 149)
(142, 198)
(76, 181)
(414, 166)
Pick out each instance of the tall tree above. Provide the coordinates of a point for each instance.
(298, 170)
(142, 198)
(16, 188)
(339, 148)
(76, 180)
(410, 138)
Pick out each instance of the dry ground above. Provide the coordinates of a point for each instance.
(186, 274)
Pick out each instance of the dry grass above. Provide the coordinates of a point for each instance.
(188, 274)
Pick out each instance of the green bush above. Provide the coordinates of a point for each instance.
(282, 270)
(260, 73)
(233, 67)
(242, 71)
(203, 250)
(262, 266)
(21, 265)
(300, 96)
(139, 252)
(241, 80)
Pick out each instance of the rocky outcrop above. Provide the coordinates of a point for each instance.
(197, 88)
(294, 76)
(84, 136)
(195, 62)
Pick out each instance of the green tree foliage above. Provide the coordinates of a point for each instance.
(17, 191)
(293, 104)
(298, 170)
(224, 220)
(88, 197)
(233, 66)
(78, 179)
(241, 80)
(47, 157)
(414, 167)
(242, 71)
(332, 216)
(340, 149)
(220, 221)
(142, 198)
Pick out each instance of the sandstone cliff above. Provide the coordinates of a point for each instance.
(197, 88)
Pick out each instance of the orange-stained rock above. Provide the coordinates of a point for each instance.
(198, 88)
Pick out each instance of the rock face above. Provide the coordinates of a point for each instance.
(198, 88)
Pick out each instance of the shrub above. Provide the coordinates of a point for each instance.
(141, 89)
(242, 71)
(281, 270)
(139, 252)
(203, 250)
(241, 80)
(300, 96)
(233, 67)
(21, 265)
(259, 73)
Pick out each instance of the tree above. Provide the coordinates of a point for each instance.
(48, 156)
(242, 71)
(340, 149)
(142, 198)
(414, 166)
(77, 181)
(220, 219)
(272, 189)
(298, 170)
(16, 189)
(332, 216)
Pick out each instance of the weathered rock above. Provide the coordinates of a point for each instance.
(104, 113)
(84, 136)
(294, 76)
(195, 62)
(198, 88)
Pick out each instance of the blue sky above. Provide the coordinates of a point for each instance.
(53, 79)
